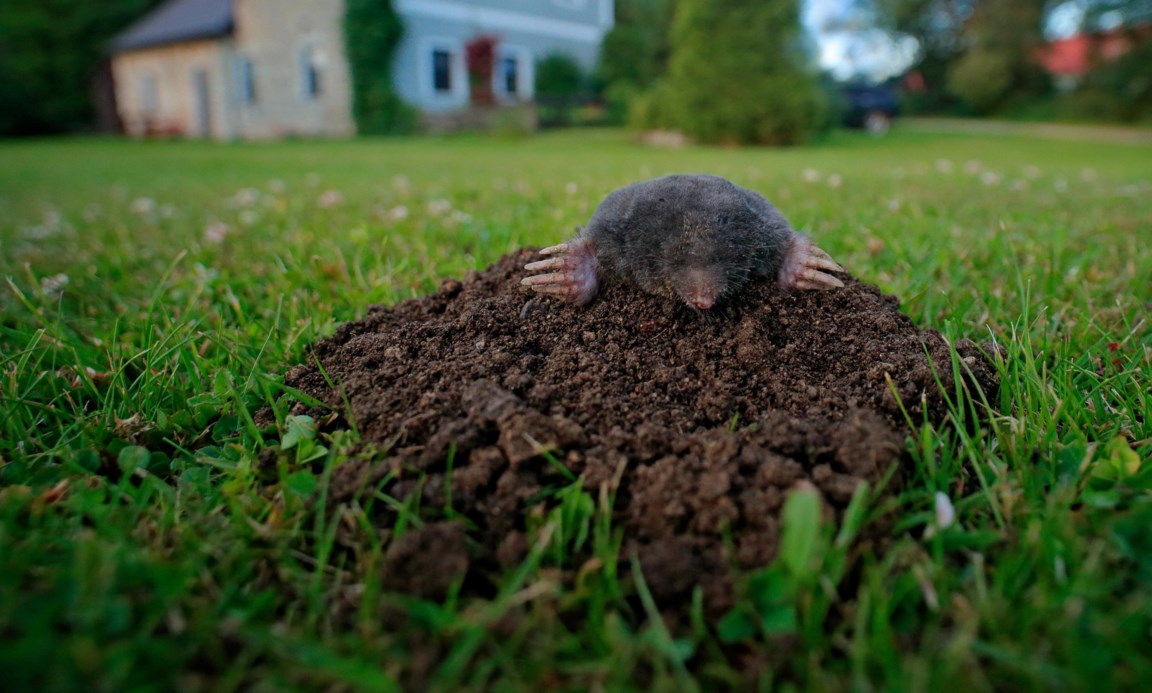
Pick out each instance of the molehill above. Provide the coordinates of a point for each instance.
(699, 423)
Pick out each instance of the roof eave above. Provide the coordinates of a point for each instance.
(129, 46)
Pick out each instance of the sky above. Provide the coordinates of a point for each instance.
(1064, 20)
(850, 46)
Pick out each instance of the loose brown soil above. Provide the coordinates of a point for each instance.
(700, 423)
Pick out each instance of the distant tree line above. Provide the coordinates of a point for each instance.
(51, 54)
(980, 57)
(736, 70)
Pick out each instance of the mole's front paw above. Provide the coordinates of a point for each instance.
(570, 275)
(806, 267)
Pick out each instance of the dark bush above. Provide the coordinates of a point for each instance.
(559, 75)
(1121, 89)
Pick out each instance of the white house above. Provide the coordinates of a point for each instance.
(429, 68)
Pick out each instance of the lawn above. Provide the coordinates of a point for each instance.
(154, 293)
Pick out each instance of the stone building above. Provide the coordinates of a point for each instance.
(231, 69)
(247, 69)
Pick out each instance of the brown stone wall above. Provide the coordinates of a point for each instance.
(169, 72)
(274, 34)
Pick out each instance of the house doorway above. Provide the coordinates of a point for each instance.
(202, 102)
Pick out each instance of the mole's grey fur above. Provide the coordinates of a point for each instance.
(693, 236)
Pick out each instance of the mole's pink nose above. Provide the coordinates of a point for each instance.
(702, 302)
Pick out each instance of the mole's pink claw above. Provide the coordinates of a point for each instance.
(806, 266)
(570, 274)
(561, 248)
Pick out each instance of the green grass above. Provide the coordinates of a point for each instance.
(154, 292)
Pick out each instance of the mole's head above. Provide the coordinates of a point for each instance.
(707, 261)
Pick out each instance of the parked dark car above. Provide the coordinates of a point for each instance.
(870, 106)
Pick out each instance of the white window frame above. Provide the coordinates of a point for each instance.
(439, 89)
(247, 93)
(311, 56)
(457, 71)
(525, 74)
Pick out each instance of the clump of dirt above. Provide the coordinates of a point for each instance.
(699, 423)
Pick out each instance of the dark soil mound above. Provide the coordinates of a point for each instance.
(699, 422)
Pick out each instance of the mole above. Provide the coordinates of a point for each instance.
(695, 237)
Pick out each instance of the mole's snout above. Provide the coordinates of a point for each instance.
(697, 287)
(702, 301)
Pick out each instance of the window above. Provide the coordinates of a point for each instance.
(312, 61)
(510, 74)
(246, 81)
(149, 95)
(513, 74)
(441, 71)
(441, 77)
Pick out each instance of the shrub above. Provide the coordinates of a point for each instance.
(652, 109)
(558, 74)
(981, 79)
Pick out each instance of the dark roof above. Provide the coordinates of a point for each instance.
(177, 20)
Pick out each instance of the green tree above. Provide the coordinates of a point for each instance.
(938, 27)
(737, 74)
(50, 52)
(372, 30)
(998, 63)
(634, 53)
